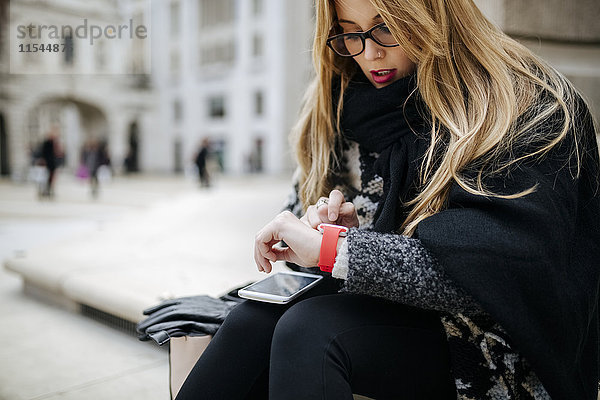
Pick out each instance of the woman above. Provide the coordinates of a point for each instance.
(467, 171)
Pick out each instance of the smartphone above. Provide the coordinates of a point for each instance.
(281, 287)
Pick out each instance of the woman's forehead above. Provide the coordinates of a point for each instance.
(356, 11)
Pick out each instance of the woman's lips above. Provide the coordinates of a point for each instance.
(383, 75)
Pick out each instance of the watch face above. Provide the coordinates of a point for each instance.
(340, 230)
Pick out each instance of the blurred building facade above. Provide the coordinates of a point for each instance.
(233, 71)
(86, 92)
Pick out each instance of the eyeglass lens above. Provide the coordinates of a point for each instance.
(351, 44)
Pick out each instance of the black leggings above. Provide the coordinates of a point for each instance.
(324, 346)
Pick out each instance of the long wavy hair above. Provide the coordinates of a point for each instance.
(484, 92)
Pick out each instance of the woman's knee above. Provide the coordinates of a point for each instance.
(299, 326)
(301, 350)
(239, 315)
(249, 316)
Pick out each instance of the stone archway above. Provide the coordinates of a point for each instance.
(77, 121)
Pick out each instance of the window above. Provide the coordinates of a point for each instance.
(216, 12)
(258, 103)
(175, 21)
(216, 107)
(214, 53)
(177, 111)
(175, 60)
(69, 47)
(137, 52)
(257, 7)
(100, 55)
(257, 45)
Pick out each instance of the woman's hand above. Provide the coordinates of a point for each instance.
(304, 243)
(331, 210)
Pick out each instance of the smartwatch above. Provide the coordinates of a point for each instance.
(331, 234)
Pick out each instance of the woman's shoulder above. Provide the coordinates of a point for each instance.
(567, 137)
(552, 129)
(552, 148)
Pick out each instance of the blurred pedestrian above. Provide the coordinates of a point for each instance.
(200, 161)
(255, 158)
(95, 162)
(128, 162)
(49, 157)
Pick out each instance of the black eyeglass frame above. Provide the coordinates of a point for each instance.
(363, 37)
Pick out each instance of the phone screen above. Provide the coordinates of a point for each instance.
(282, 284)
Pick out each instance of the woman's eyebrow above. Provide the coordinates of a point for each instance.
(346, 21)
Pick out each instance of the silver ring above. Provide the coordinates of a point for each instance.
(321, 201)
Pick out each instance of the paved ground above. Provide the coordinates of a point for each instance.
(51, 353)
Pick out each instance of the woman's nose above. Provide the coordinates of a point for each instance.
(372, 50)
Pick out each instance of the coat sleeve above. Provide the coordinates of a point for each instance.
(399, 269)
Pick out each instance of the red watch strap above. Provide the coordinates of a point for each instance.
(329, 242)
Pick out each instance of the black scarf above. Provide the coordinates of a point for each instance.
(383, 121)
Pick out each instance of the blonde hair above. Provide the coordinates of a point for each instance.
(484, 93)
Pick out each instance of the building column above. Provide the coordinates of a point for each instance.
(18, 141)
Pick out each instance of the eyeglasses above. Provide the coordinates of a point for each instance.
(352, 44)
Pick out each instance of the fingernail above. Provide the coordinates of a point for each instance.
(332, 216)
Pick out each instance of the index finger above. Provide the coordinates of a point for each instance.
(336, 198)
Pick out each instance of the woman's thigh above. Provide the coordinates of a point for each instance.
(329, 347)
(238, 355)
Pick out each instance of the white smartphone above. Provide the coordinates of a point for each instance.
(281, 287)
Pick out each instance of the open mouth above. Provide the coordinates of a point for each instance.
(383, 75)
